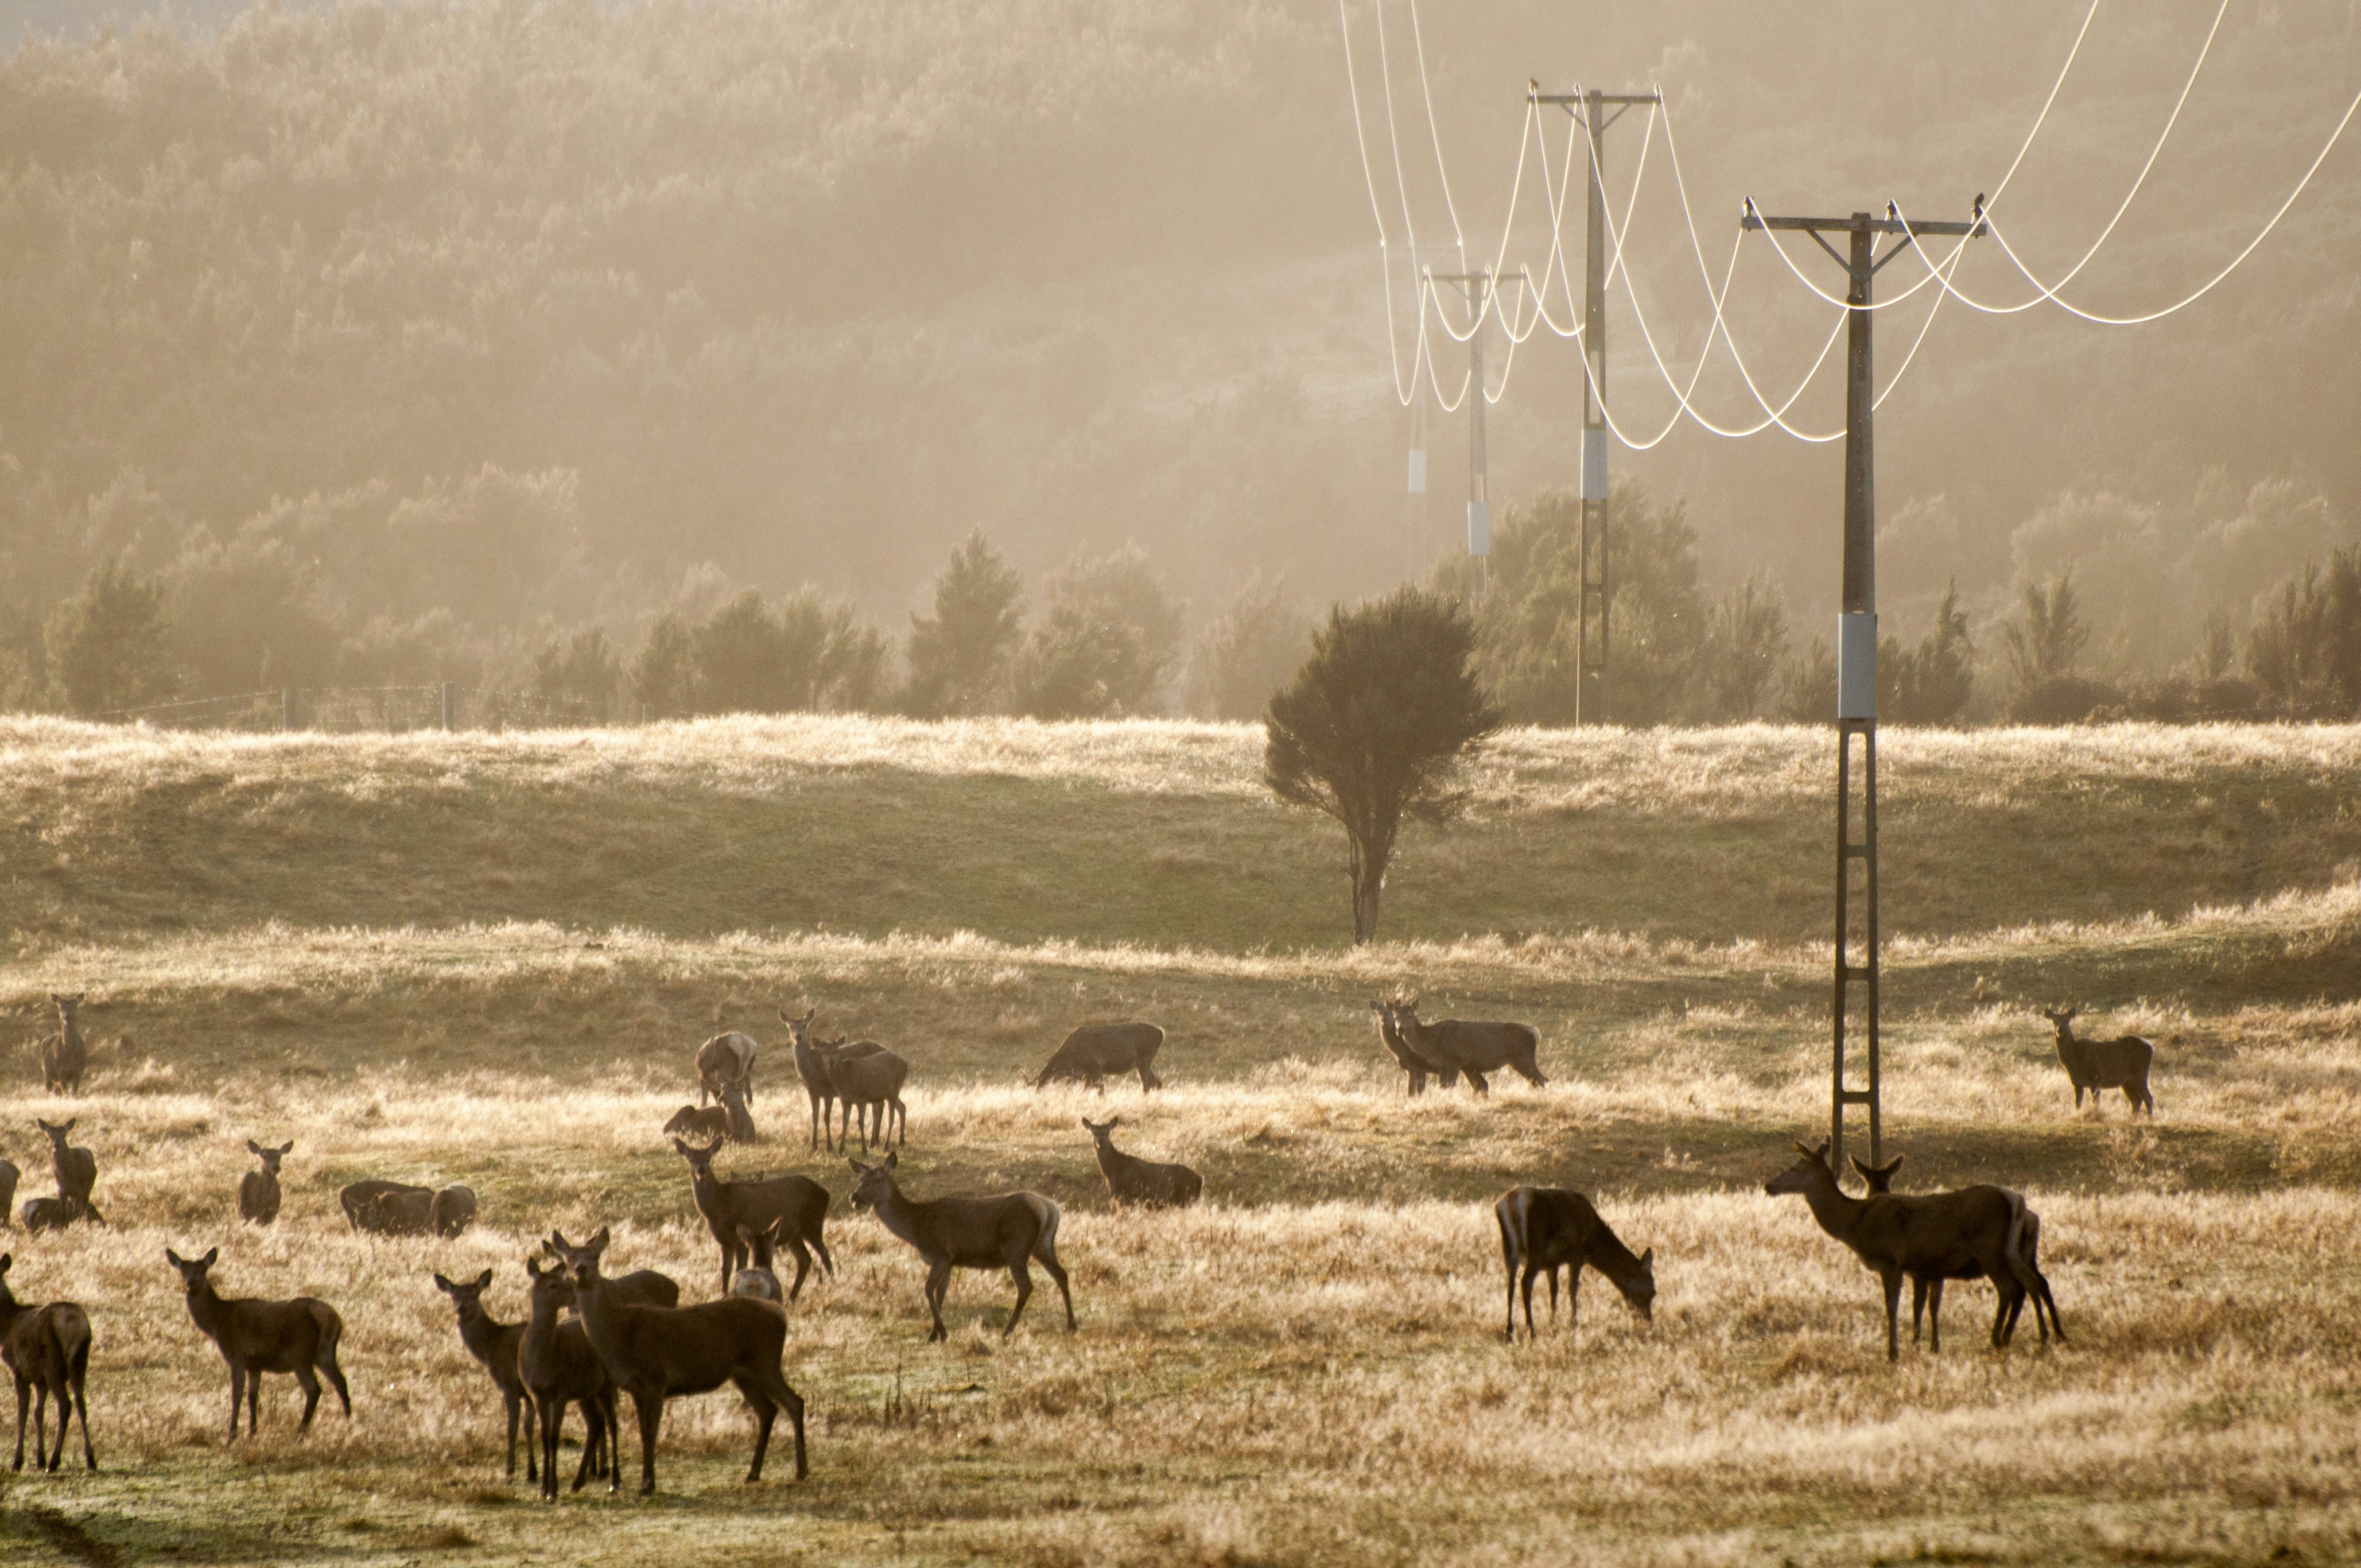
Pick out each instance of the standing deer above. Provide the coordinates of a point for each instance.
(1925, 1289)
(656, 1353)
(1131, 1180)
(1096, 1052)
(725, 1060)
(9, 1177)
(1471, 1048)
(1955, 1236)
(76, 1168)
(1001, 1232)
(47, 1348)
(495, 1343)
(558, 1367)
(793, 1207)
(1544, 1229)
(65, 1057)
(1417, 1067)
(255, 1336)
(2101, 1064)
(812, 1066)
(257, 1190)
(868, 1080)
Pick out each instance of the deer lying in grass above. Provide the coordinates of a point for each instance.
(758, 1279)
(257, 1190)
(868, 1079)
(558, 1367)
(2096, 1066)
(494, 1343)
(792, 1208)
(48, 1349)
(654, 1354)
(1131, 1180)
(1953, 1236)
(1472, 1047)
(255, 1336)
(812, 1066)
(76, 1168)
(359, 1200)
(722, 1060)
(1544, 1229)
(1925, 1289)
(44, 1214)
(1096, 1052)
(1419, 1068)
(1004, 1231)
(728, 1120)
(65, 1057)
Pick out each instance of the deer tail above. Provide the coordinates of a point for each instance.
(71, 1326)
(1046, 1247)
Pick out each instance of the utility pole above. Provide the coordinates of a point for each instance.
(1857, 650)
(1590, 675)
(1478, 287)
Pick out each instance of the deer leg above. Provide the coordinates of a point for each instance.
(531, 1433)
(552, 1422)
(1573, 1295)
(24, 1398)
(237, 1398)
(336, 1377)
(1892, 1279)
(1023, 1277)
(1476, 1082)
(1551, 1272)
(510, 1401)
(650, 1409)
(81, 1413)
(815, 1123)
(1058, 1272)
(803, 1264)
(46, 1457)
(1917, 1305)
(938, 1283)
(311, 1382)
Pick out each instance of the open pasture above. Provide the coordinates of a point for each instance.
(1308, 1368)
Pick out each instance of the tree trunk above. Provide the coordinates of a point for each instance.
(1369, 881)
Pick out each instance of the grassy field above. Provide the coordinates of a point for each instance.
(487, 958)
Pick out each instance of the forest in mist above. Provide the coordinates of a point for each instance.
(385, 342)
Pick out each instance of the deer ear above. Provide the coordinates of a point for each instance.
(598, 1241)
(287, 1148)
(443, 1285)
(532, 1267)
(892, 1161)
(484, 1280)
(253, 1147)
(212, 1255)
(176, 1258)
(6, 1259)
(1647, 1260)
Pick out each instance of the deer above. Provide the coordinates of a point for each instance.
(794, 1208)
(257, 1190)
(9, 1177)
(868, 1080)
(1004, 1231)
(1474, 1048)
(655, 1353)
(1417, 1067)
(1544, 1229)
(43, 1214)
(48, 1349)
(758, 1279)
(452, 1211)
(812, 1066)
(1131, 1180)
(1095, 1052)
(76, 1168)
(495, 1343)
(725, 1060)
(258, 1336)
(1956, 1235)
(359, 1199)
(65, 1057)
(1927, 1289)
(2097, 1066)
(558, 1367)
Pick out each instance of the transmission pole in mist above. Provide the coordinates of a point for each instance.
(1591, 673)
(1857, 650)
(1478, 287)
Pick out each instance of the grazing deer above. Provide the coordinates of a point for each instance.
(1001, 1232)
(758, 1279)
(408, 1212)
(495, 1343)
(793, 1208)
(722, 1060)
(656, 1353)
(2097, 1066)
(76, 1168)
(1956, 1235)
(699, 1122)
(43, 1214)
(1544, 1229)
(9, 1177)
(255, 1336)
(1929, 1289)
(558, 1367)
(1131, 1180)
(1471, 1048)
(47, 1348)
(65, 1057)
(1417, 1067)
(868, 1080)
(359, 1200)
(452, 1211)
(1096, 1052)
(812, 1066)
(257, 1190)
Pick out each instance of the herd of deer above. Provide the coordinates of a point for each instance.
(588, 1337)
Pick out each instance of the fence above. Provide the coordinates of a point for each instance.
(344, 710)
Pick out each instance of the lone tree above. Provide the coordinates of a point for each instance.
(1374, 726)
(959, 656)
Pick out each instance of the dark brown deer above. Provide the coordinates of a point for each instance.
(1417, 1067)
(47, 1348)
(257, 1190)
(868, 1080)
(65, 1057)
(1956, 1235)
(2096, 1066)
(1096, 1052)
(559, 1368)
(1472, 1047)
(452, 1211)
(1004, 1230)
(812, 1066)
(255, 1336)
(494, 1343)
(655, 1353)
(9, 1177)
(408, 1212)
(76, 1168)
(1929, 1289)
(725, 1060)
(1544, 1229)
(44, 1214)
(728, 1120)
(359, 1200)
(758, 1279)
(1131, 1180)
(794, 1208)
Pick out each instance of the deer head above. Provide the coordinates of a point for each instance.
(56, 1134)
(1101, 1131)
(193, 1269)
(68, 1006)
(548, 1284)
(1806, 1174)
(1641, 1293)
(798, 1028)
(581, 1262)
(2063, 1020)
(700, 1160)
(1879, 1178)
(871, 1182)
(468, 1298)
(270, 1158)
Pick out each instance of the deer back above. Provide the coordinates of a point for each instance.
(452, 1211)
(1468, 1045)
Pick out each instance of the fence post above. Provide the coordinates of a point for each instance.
(446, 708)
(286, 707)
